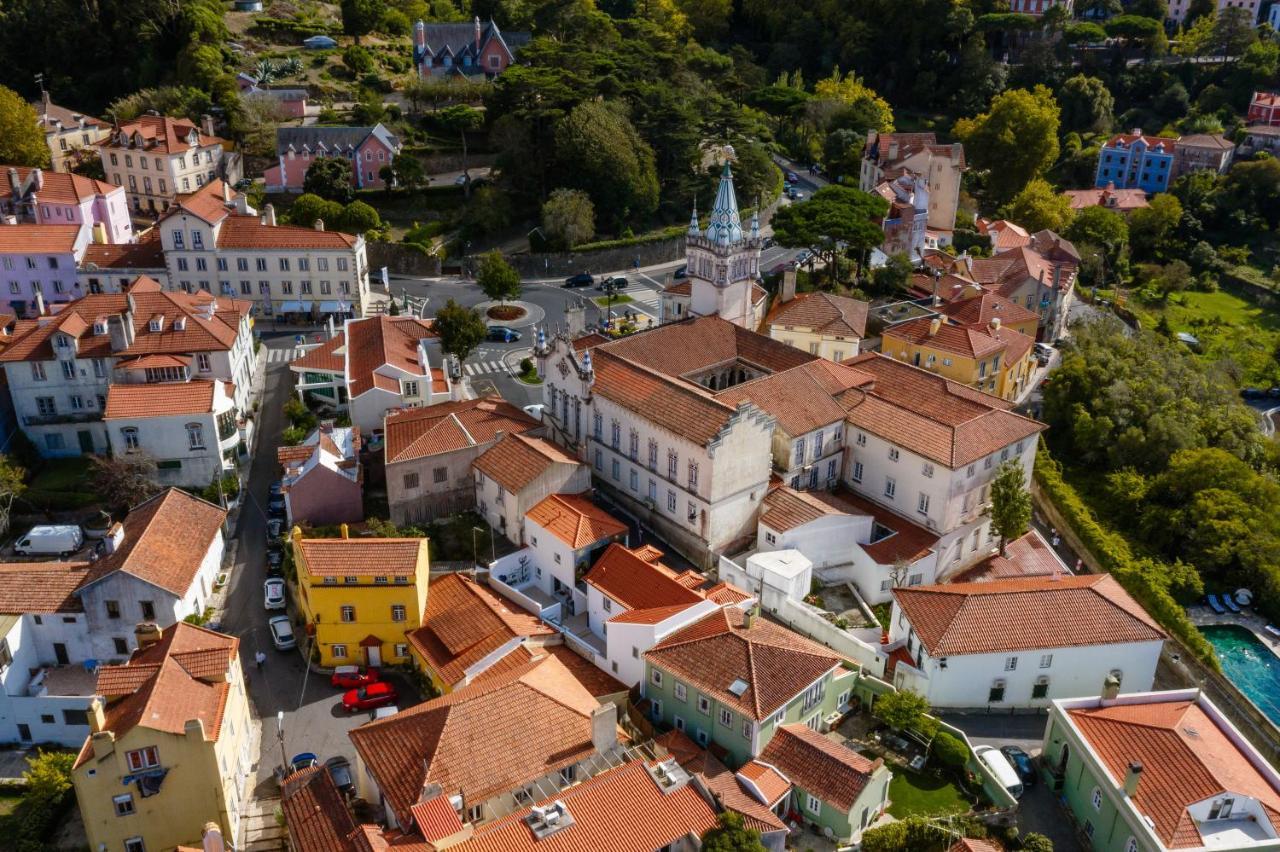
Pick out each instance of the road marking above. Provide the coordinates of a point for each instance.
(275, 356)
(475, 368)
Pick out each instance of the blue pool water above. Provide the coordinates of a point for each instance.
(1249, 664)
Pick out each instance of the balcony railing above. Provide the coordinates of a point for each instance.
(56, 419)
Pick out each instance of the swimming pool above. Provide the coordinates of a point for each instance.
(1249, 664)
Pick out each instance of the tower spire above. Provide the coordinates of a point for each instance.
(693, 220)
(726, 223)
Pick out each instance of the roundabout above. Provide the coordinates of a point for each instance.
(515, 314)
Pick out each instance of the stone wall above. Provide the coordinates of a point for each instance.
(564, 264)
(399, 260)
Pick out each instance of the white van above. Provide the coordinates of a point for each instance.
(50, 541)
(1000, 768)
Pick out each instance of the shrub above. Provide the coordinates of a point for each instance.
(950, 750)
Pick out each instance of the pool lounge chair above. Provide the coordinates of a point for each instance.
(1230, 603)
(1215, 605)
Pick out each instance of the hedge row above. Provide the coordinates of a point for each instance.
(1143, 578)
(650, 237)
(270, 25)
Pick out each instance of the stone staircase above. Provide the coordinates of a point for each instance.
(262, 831)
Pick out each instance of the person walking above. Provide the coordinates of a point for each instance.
(260, 658)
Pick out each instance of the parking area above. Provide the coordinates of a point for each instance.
(1038, 810)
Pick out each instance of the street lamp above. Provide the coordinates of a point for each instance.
(284, 761)
(475, 558)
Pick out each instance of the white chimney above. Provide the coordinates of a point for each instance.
(213, 841)
(269, 215)
(114, 538)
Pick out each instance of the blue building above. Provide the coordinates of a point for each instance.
(1134, 161)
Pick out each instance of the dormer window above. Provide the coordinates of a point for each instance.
(100, 326)
(157, 323)
(180, 323)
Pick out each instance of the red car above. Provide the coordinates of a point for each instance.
(353, 677)
(369, 697)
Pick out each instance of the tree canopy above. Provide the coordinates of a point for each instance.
(461, 329)
(21, 137)
(568, 218)
(329, 178)
(834, 215)
(1016, 140)
(497, 278)
(610, 161)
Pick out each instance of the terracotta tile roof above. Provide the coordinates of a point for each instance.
(163, 134)
(446, 427)
(146, 253)
(131, 402)
(821, 766)
(1003, 233)
(621, 810)
(41, 587)
(25, 238)
(1152, 141)
(481, 740)
(208, 324)
(726, 593)
(771, 783)
(720, 781)
(934, 417)
(344, 557)
(165, 541)
(48, 112)
(463, 623)
(315, 812)
(969, 844)
(801, 399)
(1027, 556)
(209, 203)
(587, 341)
(64, 187)
(712, 653)
(981, 309)
(825, 313)
(1121, 200)
(1186, 758)
(970, 341)
(142, 362)
(575, 520)
(636, 583)
(330, 356)
(788, 508)
(165, 695)
(518, 460)
(1023, 615)
(436, 818)
(593, 678)
(674, 405)
(680, 348)
(249, 232)
(383, 341)
(680, 288)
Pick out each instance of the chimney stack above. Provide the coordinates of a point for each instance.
(995, 325)
(1110, 688)
(788, 285)
(113, 539)
(14, 183)
(318, 225)
(37, 179)
(604, 727)
(1132, 778)
(477, 28)
(97, 715)
(206, 125)
(213, 841)
(345, 531)
(269, 215)
(934, 325)
(147, 633)
(41, 310)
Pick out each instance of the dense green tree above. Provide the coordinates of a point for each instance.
(460, 119)
(709, 18)
(358, 217)
(497, 278)
(461, 329)
(731, 835)
(891, 279)
(1036, 843)
(900, 710)
(330, 178)
(1016, 140)
(1039, 206)
(361, 17)
(1155, 9)
(1010, 503)
(180, 101)
(949, 750)
(21, 139)
(835, 215)
(1147, 33)
(308, 207)
(568, 218)
(1254, 185)
(358, 60)
(599, 146)
(1086, 103)
(1233, 30)
(408, 170)
(1100, 227)
(1149, 225)
(1084, 32)
(1197, 9)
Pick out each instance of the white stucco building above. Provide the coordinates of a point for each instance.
(189, 428)
(516, 473)
(156, 158)
(1007, 644)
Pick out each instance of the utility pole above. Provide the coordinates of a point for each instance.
(284, 761)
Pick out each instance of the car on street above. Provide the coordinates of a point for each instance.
(273, 593)
(306, 760)
(795, 194)
(275, 506)
(1044, 353)
(339, 769)
(582, 279)
(999, 766)
(275, 561)
(1021, 763)
(803, 256)
(617, 282)
(792, 177)
(282, 633)
(276, 489)
(353, 677)
(502, 334)
(274, 527)
(535, 410)
(681, 272)
(369, 697)
(1253, 393)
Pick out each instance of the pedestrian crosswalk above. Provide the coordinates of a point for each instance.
(478, 368)
(275, 356)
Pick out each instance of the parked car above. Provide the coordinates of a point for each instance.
(353, 677)
(275, 506)
(681, 272)
(282, 633)
(1253, 393)
(306, 760)
(535, 410)
(502, 334)
(1021, 763)
(339, 769)
(1000, 768)
(1044, 353)
(617, 282)
(273, 593)
(369, 697)
(383, 712)
(319, 42)
(277, 487)
(275, 561)
(274, 527)
(792, 177)
(582, 279)
(51, 540)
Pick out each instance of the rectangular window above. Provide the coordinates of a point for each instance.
(148, 610)
(397, 612)
(37, 371)
(1040, 690)
(410, 480)
(1010, 664)
(890, 486)
(655, 676)
(195, 436)
(681, 692)
(142, 758)
(135, 844)
(348, 613)
(995, 695)
(704, 705)
(673, 464)
(339, 652)
(671, 501)
(440, 474)
(1046, 660)
(726, 718)
(811, 804)
(857, 471)
(653, 454)
(927, 470)
(113, 608)
(616, 469)
(922, 505)
(893, 454)
(123, 804)
(693, 476)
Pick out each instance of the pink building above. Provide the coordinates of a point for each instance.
(1264, 109)
(38, 266)
(468, 50)
(322, 478)
(368, 149)
(60, 198)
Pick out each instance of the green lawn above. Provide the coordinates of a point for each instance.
(604, 301)
(1227, 326)
(915, 794)
(61, 484)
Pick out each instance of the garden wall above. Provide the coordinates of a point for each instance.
(563, 264)
(399, 259)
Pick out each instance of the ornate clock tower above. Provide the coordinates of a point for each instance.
(723, 260)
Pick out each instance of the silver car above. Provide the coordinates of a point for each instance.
(282, 633)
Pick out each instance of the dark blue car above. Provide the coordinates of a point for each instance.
(502, 334)
(1021, 763)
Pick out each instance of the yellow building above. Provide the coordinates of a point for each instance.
(990, 358)
(360, 596)
(821, 324)
(171, 746)
(975, 306)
